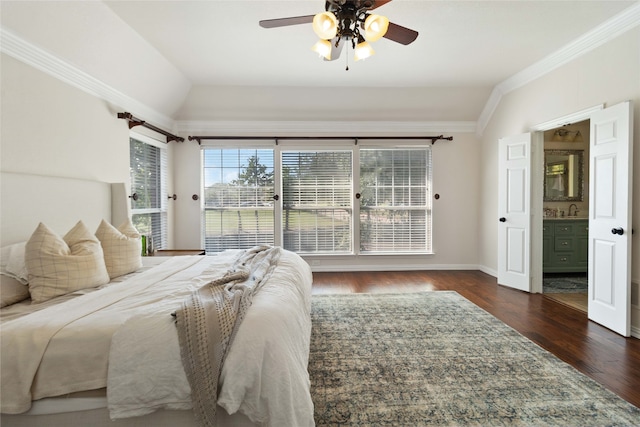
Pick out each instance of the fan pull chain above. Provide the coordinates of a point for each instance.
(346, 57)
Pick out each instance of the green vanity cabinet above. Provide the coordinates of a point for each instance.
(565, 245)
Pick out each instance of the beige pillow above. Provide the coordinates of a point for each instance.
(12, 291)
(122, 248)
(59, 266)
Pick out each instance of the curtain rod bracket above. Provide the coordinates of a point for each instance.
(133, 121)
(436, 138)
(195, 138)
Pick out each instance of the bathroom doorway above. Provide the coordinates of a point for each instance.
(566, 214)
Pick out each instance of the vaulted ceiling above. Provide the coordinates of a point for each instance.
(175, 56)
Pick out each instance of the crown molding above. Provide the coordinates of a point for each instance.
(320, 128)
(24, 51)
(607, 31)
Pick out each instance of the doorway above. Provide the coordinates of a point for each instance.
(565, 214)
(521, 173)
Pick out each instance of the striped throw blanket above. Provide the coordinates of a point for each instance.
(208, 320)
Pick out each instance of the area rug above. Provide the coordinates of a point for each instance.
(564, 283)
(436, 359)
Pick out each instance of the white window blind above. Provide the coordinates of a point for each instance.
(148, 167)
(317, 207)
(395, 203)
(238, 198)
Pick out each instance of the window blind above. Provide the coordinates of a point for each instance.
(395, 203)
(238, 198)
(148, 168)
(317, 207)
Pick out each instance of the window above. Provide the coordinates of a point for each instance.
(317, 194)
(238, 198)
(318, 210)
(395, 205)
(148, 166)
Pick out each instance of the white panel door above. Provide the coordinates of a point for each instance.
(610, 204)
(514, 206)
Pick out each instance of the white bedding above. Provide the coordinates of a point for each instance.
(265, 375)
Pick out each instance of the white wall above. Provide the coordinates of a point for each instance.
(456, 173)
(243, 103)
(89, 35)
(52, 128)
(607, 75)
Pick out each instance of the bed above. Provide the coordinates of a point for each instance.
(114, 353)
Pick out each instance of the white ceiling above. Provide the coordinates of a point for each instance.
(460, 43)
(210, 60)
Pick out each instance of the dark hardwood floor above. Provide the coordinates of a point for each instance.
(608, 358)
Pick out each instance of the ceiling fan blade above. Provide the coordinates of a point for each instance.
(378, 3)
(400, 34)
(283, 22)
(335, 51)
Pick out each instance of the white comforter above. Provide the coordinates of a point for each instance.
(265, 375)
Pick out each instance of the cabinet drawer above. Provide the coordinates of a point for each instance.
(561, 260)
(564, 244)
(564, 228)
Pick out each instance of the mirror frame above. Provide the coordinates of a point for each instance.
(580, 196)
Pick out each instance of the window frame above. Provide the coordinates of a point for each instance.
(428, 206)
(326, 145)
(222, 209)
(160, 237)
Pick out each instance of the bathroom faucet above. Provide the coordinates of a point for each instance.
(575, 212)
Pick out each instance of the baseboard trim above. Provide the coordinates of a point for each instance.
(388, 267)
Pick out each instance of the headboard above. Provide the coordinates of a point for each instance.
(26, 200)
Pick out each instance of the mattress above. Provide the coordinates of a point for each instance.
(272, 342)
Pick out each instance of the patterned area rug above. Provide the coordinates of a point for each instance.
(434, 358)
(567, 283)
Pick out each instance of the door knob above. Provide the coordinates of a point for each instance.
(618, 230)
(503, 219)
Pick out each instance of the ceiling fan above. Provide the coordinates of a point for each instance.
(348, 21)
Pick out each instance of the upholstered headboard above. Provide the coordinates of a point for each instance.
(26, 200)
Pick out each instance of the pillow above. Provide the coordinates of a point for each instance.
(12, 262)
(12, 291)
(59, 266)
(121, 246)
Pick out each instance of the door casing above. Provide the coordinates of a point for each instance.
(537, 177)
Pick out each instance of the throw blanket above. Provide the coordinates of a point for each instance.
(208, 320)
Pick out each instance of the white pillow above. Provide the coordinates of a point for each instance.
(59, 266)
(122, 248)
(12, 262)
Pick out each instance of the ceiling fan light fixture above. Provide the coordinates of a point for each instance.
(363, 50)
(323, 48)
(375, 27)
(325, 25)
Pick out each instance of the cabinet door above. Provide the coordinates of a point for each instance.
(582, 245)
(547, 252)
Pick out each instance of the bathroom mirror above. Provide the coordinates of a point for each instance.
(563, 177)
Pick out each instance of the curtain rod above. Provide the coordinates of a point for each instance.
(281, 138)
(133, 121)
